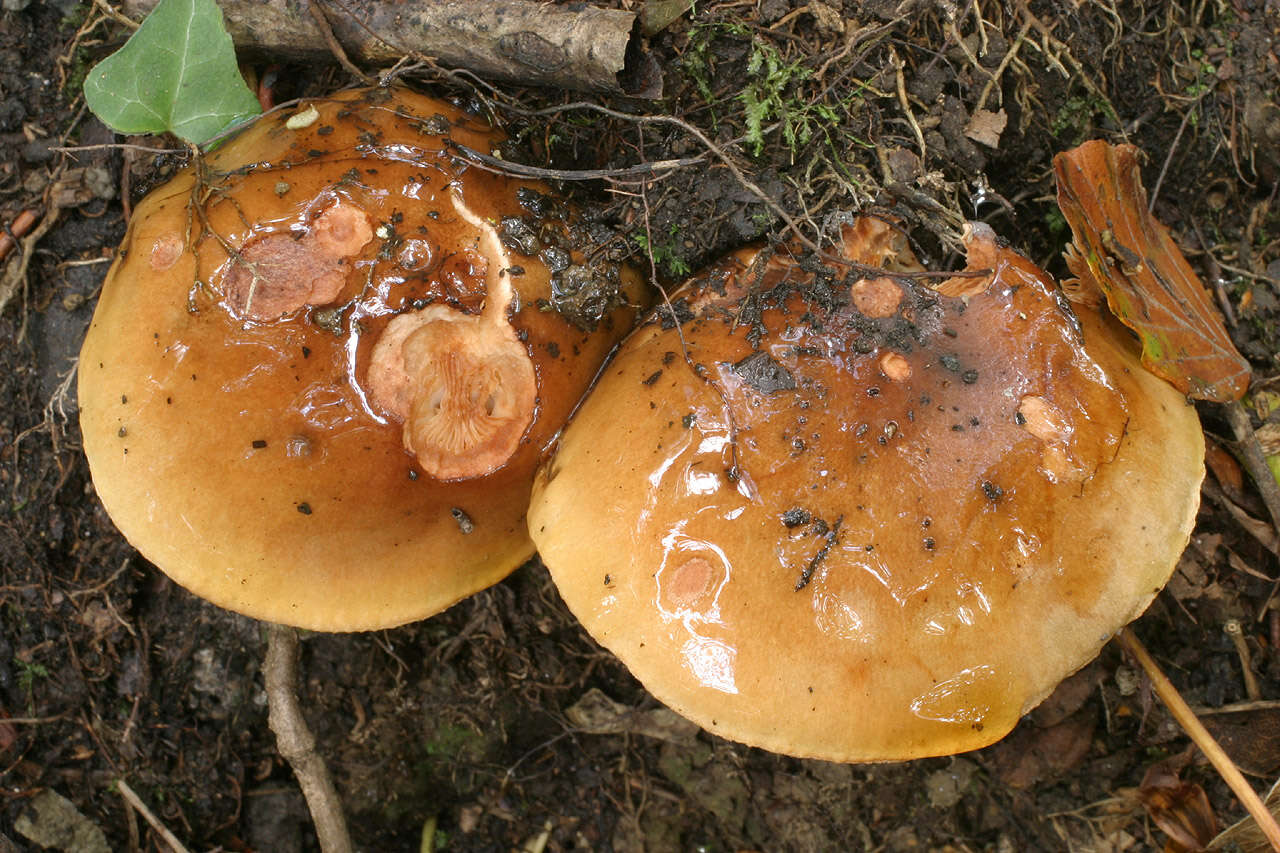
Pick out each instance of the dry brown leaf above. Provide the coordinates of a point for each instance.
(985, 127)
(1250, 734)
(1225, 469)
(8, 736)
(1180, 809)
(1121, 250)
(1032, 754)
(596, 713)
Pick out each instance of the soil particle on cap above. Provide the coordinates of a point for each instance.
(538, 204)
(796, 517)
(675, 313)
(519, 235)
(584, 293)
(436, 125)
(555, 259)
(829, 533)
(465, 524)
(764, 374)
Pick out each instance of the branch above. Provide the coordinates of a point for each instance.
(571, 46)
(297, 744)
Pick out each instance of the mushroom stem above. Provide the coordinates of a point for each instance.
(498, 290)
(1200, 736)
(296, 742)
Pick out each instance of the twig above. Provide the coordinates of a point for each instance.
(1173, 146)
(94, 590)
(1200, 736)
(149, 816)
(112, 146)
(1252, 458)
(31, 721)
(905, 102)
(1009, 56)
(335, 46)
(1236, 633)
(715, 150)
(1239, 707)
(111, 12)
(510, 167)
(296, 742)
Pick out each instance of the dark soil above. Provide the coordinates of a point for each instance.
(110, 672)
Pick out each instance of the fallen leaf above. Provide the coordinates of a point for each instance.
(597, 714)
(1114, 842)
(985, 127)
(1225, 469)
(828, 19)
(1031, 754)
(1265, 402)
(1180, 809)
(1121, 251)
(1249, 734)
(8, 736)
(1068, 697)
(657, 15)
(1268, 436)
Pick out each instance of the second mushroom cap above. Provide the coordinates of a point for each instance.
(865, 519)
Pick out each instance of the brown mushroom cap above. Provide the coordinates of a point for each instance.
(226, 403)
(868, 535)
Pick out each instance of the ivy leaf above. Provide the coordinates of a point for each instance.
(1122, 252)
(176, 74)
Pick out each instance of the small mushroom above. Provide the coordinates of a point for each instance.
(319, 380)
(865, 529)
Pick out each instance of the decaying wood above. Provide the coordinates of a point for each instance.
(575, 46)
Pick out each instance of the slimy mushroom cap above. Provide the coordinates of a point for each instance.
(860, 534)
(227, 383)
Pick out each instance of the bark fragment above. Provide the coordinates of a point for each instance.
(574, 47)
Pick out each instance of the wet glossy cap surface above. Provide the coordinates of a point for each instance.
(224, 381)
(868, 522)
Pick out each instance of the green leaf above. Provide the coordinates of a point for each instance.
(176, 74)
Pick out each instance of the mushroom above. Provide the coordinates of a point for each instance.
(862, 519)
(322, 370)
